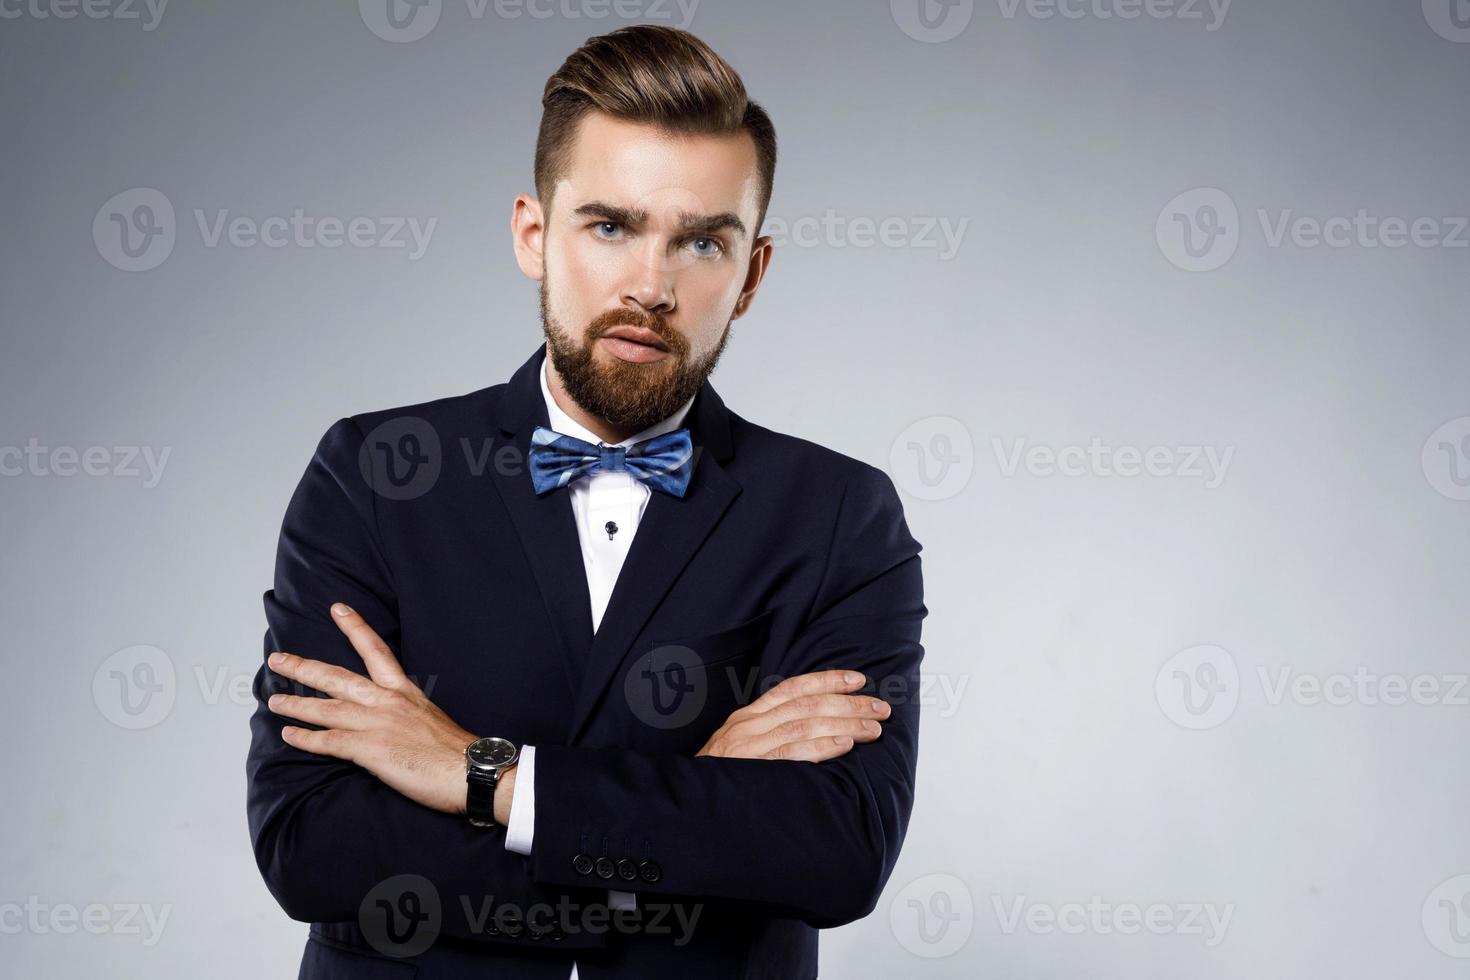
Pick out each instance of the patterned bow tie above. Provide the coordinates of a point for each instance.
(664, 463)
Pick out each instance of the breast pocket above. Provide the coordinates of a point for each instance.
(682, 688)
(730, 643)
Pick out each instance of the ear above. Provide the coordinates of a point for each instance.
(528, 236)
(760, 259)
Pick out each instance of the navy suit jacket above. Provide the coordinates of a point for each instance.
(784, 557)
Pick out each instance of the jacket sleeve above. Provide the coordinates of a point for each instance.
(325, 831)
(810, 841)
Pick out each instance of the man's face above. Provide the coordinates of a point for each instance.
(651, 234)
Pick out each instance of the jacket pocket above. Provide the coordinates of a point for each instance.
(683, 688)
(710, 649)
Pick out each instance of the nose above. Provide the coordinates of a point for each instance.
(650, 279)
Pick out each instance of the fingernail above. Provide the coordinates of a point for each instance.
(277, 659)
(342, 609)
(843, 741)
(853, 678)
(871, 726)
(275, 700)
(878, 706)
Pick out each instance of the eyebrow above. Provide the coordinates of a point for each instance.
(695, 223)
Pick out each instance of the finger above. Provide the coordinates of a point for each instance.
(806, 729)
(818, 682)
(339, 682)
(329, 742)
(821, 706)
(327, 712)
(382, 665)
(813, 749)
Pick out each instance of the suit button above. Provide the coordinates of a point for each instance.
(582, 864)
(650, 871)
(605, 867)
(557, 935)
(627, 870)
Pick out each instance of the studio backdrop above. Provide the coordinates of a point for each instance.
(1153, 311)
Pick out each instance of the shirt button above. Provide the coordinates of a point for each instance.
(605, 867)
(582, 864)
(650, 871)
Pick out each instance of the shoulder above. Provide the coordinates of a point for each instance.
(795, 464)
(446, 416)
(855, 503)
(419, 430)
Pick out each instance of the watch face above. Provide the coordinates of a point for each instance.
(491, 753)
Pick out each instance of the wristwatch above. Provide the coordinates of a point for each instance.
(485, 759)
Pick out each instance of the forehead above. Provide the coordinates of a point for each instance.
(638, 165)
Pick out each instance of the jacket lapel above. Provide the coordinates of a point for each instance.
(669, 534)
(545, 525)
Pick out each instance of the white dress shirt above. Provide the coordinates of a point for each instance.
(596, 500)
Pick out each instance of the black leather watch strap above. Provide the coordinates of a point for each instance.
(480, 798)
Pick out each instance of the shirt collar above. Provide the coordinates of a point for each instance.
(565, 424)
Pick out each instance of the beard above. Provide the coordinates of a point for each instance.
(624, 394)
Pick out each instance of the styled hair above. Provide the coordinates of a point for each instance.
(649, 73)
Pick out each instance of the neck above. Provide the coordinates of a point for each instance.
(607, 432)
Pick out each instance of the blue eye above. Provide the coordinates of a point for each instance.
(715, 247)
(607, 224)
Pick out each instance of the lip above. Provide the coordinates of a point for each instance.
(634, 352)
(638, 335)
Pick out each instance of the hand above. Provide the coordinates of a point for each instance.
(809, 718)
(382, 722)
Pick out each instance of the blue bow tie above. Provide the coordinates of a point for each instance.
(664, 463)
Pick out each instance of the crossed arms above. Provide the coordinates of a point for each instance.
(379, 789)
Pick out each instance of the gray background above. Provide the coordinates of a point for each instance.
(1081, 746)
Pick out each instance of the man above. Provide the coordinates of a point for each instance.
(584, 674)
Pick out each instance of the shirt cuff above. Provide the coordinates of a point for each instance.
(522, 826)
